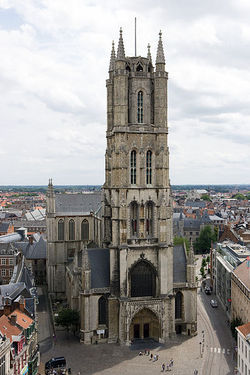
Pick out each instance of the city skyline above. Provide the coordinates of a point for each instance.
(55, 59)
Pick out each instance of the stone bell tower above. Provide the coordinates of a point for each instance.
(137, 201)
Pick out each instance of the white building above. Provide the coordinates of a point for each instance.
(243, 362)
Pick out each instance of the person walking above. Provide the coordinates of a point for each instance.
(163, 367)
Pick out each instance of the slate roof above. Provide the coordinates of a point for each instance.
(4, 227)
(200, 204)
(179, 266)
(13, 290)
(192, 224)
(78, 203)
(37, 250)
(99, 264)
(27, 278)
(12, 237)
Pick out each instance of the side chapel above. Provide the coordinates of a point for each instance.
(111, 255)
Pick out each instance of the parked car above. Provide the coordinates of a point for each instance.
(207, 290)
(214, 303)
(53, 363)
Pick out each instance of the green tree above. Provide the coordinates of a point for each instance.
(203, 263)
(235, 323)
(202, 271)
(206, 197)
(239, 196)
(203, 242)
(181, 241)
(68, 318)
(208, 259)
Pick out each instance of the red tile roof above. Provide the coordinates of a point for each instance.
(7, 329)
(242, 272)
(244, 329)
(23, 320)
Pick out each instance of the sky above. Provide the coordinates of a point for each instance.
(54, 63)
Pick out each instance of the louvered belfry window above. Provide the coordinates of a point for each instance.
(133, 167)
(140, 107)
(149, 167)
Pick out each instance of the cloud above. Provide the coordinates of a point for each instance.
(53, 67)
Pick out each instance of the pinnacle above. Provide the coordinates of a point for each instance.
(149, 53)
(112, 58)
(160, 59)
(120, 50)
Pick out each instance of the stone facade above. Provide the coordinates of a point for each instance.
(145, 290)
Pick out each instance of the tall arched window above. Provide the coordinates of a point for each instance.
(134, 219)
(60, 234)
(178, 305)
(149, 219)
(102, 310)
(133, 167)
(71, 230)
(142, 280)
(85, 230)
(140, 107)
(149, 167)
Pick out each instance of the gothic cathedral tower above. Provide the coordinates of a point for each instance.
(137, 199)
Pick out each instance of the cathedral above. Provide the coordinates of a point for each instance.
(111, 253)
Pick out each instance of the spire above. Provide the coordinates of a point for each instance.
(112, 58)
(160, 59)
(50, 188)
(120, 50)
(149, 54)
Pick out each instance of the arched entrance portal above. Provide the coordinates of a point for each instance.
(145, 324)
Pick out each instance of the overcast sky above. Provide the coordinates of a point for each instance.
(54, 63)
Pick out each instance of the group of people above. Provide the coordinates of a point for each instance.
(155, 357)
(167, 366)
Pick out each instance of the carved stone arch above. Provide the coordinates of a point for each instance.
(139, 66)
(142, 257)
(139, 308)
(128, 67)
(145, 323)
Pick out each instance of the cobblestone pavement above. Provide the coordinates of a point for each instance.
(115, 359)
(106, 359)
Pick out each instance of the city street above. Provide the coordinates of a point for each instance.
(210, 352)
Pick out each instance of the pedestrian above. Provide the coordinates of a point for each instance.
(171, 362)
(163, 367)
(167, 368)
(148, 352)
(151, 356)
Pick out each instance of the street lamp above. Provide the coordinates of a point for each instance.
(200, 349)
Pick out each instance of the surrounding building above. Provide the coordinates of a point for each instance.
(9, 258)
(73, 222)
(224, 260)
(5, 354)
(243, 338)
(240, 292)
(137, 285)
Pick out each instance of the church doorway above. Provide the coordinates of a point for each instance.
(145, 324)
(136, 331)
(146, 330)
